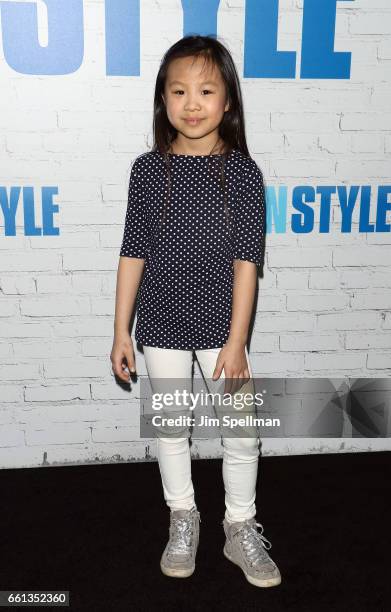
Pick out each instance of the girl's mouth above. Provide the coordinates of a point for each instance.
(193, 121)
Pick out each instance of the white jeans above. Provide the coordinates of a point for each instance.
(240, 454)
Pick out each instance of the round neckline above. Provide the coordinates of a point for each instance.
(198, 156)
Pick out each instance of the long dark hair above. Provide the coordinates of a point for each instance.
(231, 129)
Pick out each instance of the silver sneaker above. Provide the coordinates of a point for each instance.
(178, 558)
(245, 547)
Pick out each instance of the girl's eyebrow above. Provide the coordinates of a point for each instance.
(203, 83)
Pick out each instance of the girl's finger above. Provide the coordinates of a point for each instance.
(217, 371)
(131, 362)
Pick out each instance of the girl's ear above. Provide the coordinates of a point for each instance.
(226, 108)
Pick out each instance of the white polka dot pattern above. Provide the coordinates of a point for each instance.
(185, 298)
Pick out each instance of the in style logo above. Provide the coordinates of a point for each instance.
(64, 52)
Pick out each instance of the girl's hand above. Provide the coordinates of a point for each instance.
(122, 357)
(232, 358)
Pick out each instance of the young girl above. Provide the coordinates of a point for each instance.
(194, 229)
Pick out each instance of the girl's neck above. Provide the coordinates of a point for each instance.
(215, 150)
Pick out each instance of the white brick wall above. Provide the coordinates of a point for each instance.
(324, 304)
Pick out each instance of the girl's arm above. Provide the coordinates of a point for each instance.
(245, 280)
(232, 357)
(249, 238)
(130, 271)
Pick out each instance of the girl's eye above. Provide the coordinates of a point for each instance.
(181, 90)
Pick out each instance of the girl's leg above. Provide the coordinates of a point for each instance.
(173, 453)
(240, 455)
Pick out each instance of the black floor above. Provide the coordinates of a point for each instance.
(98, 531)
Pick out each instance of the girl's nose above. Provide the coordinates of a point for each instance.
(192, 107)
(192, 103)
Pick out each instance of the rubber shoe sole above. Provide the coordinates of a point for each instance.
(176, 572)
(259, 582)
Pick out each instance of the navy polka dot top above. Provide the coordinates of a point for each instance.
(185, 298)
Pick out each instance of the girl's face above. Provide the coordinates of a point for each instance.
(195, 100)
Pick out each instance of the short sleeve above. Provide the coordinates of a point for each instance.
(135, 235)
(250, 216)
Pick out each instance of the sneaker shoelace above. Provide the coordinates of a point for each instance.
(181, 532)
(254, 543)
